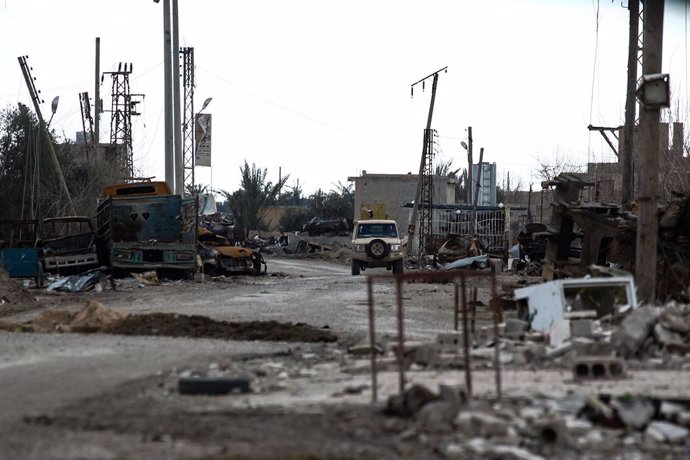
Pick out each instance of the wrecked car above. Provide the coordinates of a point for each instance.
(219, 257)
(68, 244)
(335, 227)
(375, 243)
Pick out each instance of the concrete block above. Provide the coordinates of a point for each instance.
(582, 328)
(515, 329)
(598, 368)
(588, 347)
(449, 341)
(453, 393)
(551, 431)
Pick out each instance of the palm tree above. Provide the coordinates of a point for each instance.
(249, 203)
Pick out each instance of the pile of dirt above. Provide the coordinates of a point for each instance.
(14, 298)
(93, 317)
(196, 326)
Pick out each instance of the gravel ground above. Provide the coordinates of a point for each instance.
(104, 396)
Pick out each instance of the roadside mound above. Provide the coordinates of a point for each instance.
(14, 298)
(196, 326)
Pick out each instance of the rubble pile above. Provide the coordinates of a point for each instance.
(653, 332)
(570, 425)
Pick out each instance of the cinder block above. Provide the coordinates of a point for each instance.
(581, 328)
(598, 368)
(449, 341)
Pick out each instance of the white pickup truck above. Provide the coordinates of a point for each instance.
(376, 243)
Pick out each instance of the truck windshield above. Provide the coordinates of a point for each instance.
(383, 230)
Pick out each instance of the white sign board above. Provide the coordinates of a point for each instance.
(203, 139)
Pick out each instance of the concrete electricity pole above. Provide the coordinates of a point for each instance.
(169, 127)
(648, 168)
(177, 119)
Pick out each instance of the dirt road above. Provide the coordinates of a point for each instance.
(104, 396)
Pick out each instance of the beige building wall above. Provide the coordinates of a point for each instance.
(389, 192)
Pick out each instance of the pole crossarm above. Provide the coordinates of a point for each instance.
(603, 130)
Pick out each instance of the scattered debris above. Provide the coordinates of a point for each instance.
(93, 279)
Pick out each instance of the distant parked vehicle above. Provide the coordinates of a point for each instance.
(144, 226)
(68, 244)
(337, 227)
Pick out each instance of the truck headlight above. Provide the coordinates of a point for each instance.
(359, 247)
(395, 248)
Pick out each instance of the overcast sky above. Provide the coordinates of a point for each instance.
(321, 88)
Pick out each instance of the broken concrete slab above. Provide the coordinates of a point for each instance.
(667, 432)
(668, 338)
(634, 330)
(482, 424)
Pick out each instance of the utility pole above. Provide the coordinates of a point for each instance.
(175, 51)
(470, 160)
(626, 159)
(420, 178)
(648, 170)
(188, 150)
(476, 194)
(169, 133)
(97, 94)
(42, 124)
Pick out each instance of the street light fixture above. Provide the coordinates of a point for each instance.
(53, 107)
(205, 104)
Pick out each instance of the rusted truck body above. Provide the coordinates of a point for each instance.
(68, 244)
(144, 226)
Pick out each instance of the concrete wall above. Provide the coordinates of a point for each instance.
(391, 191)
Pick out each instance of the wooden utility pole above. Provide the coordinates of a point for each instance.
(476, 193)
(97, 95)
(420, 179)
(648, 168)
(469, 165)
(626, 159)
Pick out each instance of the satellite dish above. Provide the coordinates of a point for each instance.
(464, 146)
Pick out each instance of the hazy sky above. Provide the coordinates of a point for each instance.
(321, 88)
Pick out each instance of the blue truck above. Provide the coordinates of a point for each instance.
(144, 226)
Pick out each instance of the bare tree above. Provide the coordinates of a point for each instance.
(559, 162)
